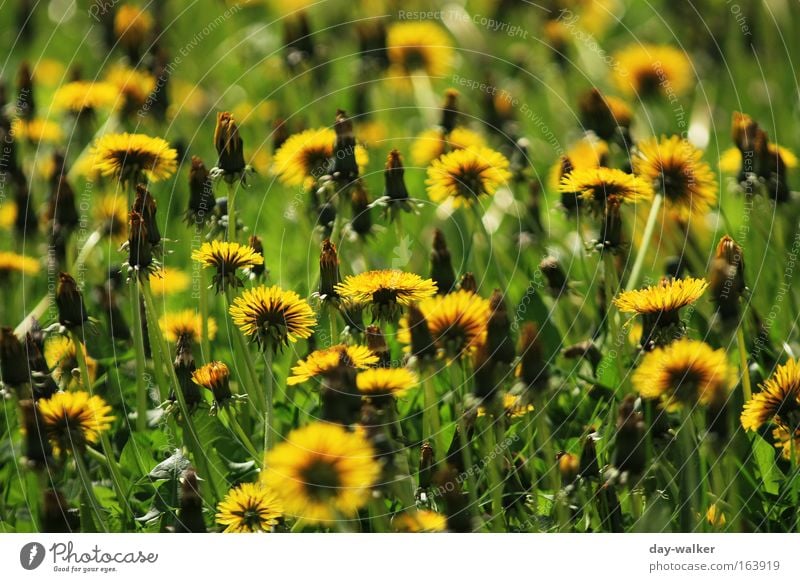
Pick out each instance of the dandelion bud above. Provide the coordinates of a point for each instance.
(26, 104)
(448, 482)
(395, 186)
(376, 342)
(26, 221)
(426, 462)
(298, 39)
(14, 369)
(568, 467)
(184, 370)
(629, 450)
(361, 223)
(190, 514)
(328, 270)
(145, 205)
(499, 339)
(56, 514)
(449, 110)
(214, 376)
(589, 467)
(62, 211)
(345, 167)
(611, 234)
(744, 131)
(442, 272)
(422, 344)
(339, 396)
(37, 445)
(140, 252)
(726, 278)
(201, 194)
(532, 369)
(554, 275)
(229, 146)
(608, 117)
(468, 283)
(69, 300)
(43, 384)
(484, 366)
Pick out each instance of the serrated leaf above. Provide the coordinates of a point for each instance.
(170, 468)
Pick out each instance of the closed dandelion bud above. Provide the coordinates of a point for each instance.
(190, 514)
(484, 367)
(69, 300)
(611, 234)
(326, 218)
(629, 450)
(345, 167)
(339, 396)
(62, 210)
(499, 338)
(256, 244)
(43, 384)
(533, 216)
(554, 275)
(442, 272)
(229, 146)
(26, 104)
(280, 133)
(140, 251)
(726, 278)
(215, 377)
(361, 223)
(422, 344)
(201, 194)
(298, 39)
(37, 446)
(184, 370)
(589, 467)
(744, 131)
(14, 369)
(447, 482)
(450, 110)
(608, 117)
(328, 270)
(26, 221)
(395, 189)
(376, 342)
(145, 205)
(56, 514)
(468, 283)
(568, 467)
(426, 463)
(375, 429)
(60, 169)
(532, 369)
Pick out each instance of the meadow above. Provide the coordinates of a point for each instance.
(384, 266)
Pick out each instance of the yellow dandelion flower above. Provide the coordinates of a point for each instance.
(37, 131)
(169, 281)
(432, 143)
(322, 472)
(134, 85)
(307, 156)
(420, 521)
(132, 25)
(684, 372)
(8, 214)
(61, 358)
(786, 444)
(513, 406)
(418, 48)
(249, 508)
(11, 262)
(226, 257)
(111, 213)
(715, 517)
(129, 156)
(457, 322)
(602, 186)
(386, 290)
(187, 323)
(73, 419)
(81, 96)
(386, 381)
(465, 175)
(648, 70)
(586, 153)
(320, 362)
(676, 169)
(730, 161)
(215, 377)
(272, 316)
(47, 72)
(778, 400)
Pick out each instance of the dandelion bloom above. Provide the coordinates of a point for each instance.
(249, 508)
(322, 472)
(133, 85)
(306, 156)
(74, 419)
(778, 400)
(169, 281)
(11, 262)
(466, 175)
(272, 316)
(686, 372)
(457, 322)
(385, 290)
(132, 25)
(676, 169)
(186, 324)
(61, 357)
(37, 131)
(215, 377)
(226, 257)
(111, 214)
(514, 406)
(418, 47)
(82, 96)
(129, 156)
(386, 381)
(602, 186)
(649, 70)
(432, 143)
(420, 521)
(586, 153)
(320, 362)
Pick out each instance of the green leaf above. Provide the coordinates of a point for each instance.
(764, 455)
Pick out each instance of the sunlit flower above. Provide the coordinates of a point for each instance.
(272, 317)
(169, 281)
(74, 419)
(676, 169)
(215, 377)
(11, 262)
(586, 153)
(418, 48)
(249, 508)
(778, 400)
(386, 381)
(420, 521)
(786, 444)
(385, 290)
(514, 406)
(112, 215)
(187, 323)
(134, 85)
(132, 25)
(226, 257)
(465, 175)
(128, 156)
(61, 359)
(37, 131)
(322, 472)
(306, 156)
(602, 186)
(686, 372)
(432, 143)
(730, 161)
(82, 96)
(320, 362)
(645, 70)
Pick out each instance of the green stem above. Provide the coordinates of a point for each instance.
(154, 333)
(241, 351)
(138, 343)
(430, 416)
(237, 428)
(494, 462)
(231, 213)
(747, 388)
(205, 344)
(688, 458)
(269, 420)
(649, 227)
(88, 489)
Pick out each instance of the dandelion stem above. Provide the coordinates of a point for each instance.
(237, 428)
(269, 420)
(231, 213)
(138, 344)
(747, 389)
(242, 353)
(205, 344)
(494, 464)
(689, 461)
(430, 416)
(88, 489)
(649, 227)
